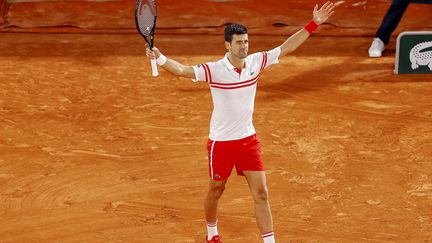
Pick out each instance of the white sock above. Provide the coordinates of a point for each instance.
(268, 237)
(211, 230)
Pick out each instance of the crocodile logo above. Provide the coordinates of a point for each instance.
(419, 57)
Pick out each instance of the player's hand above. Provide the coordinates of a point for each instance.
(154, 53)
(321, 15)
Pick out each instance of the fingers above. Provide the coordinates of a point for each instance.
(326, 5)
(154, 53)
(325, 12)
(339, 3)
(315, 8)
(331, 9)
(150, 53)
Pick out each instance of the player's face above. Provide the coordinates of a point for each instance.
(239, 46)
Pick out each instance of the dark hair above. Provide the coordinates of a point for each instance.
(234, 29)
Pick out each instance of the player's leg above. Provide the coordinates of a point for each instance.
(220, 164)
(251, 165)
(215, 191)
(258, 187)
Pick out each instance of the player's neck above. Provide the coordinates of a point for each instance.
(235, 61)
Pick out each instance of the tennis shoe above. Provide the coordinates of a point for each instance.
(376, 48)
(215, 239)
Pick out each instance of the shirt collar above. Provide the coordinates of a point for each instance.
(228, 63)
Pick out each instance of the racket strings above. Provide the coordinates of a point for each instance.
(146, 16)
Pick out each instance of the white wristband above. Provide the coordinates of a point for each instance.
(161, 60)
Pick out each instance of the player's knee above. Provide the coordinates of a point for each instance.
(260, 195)
(216, 190)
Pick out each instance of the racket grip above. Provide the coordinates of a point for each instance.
(154, 67)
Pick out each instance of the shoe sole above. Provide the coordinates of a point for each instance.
(374, 56)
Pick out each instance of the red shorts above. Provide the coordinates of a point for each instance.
(244, 154)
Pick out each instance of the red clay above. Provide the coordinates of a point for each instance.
(93, 149)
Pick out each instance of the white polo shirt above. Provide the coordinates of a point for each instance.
(233, 93)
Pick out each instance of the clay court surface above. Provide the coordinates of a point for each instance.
(94, 149)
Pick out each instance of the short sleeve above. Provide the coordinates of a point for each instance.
(202, 73)
(268, 58)
(273, 56)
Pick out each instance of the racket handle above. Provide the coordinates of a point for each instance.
(154, 68)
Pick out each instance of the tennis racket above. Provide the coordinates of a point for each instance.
(145, 20)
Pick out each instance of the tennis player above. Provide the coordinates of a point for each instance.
(232, 141)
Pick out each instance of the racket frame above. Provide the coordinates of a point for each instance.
(151, 34)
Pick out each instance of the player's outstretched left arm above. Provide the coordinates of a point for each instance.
(319, 16)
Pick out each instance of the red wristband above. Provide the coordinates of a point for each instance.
(311, 26)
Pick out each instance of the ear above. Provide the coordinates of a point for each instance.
(227, 45)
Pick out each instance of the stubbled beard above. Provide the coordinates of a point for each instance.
(240, 55)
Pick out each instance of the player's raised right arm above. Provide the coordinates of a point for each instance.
(172, 66)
